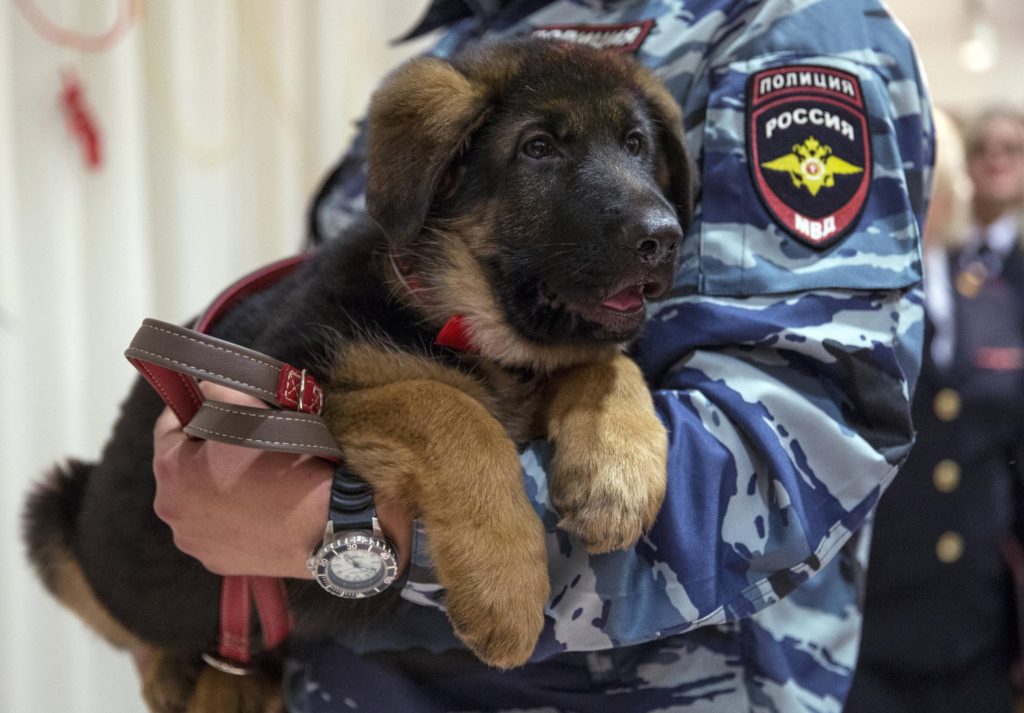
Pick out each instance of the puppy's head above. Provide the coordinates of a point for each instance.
(536, 188)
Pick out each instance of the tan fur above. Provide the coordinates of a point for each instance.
(438, 449)
(216, 691)
(442, 106)
(168, 682)
(608, 473)
(511, 401)
(362, 365)
(71, 588)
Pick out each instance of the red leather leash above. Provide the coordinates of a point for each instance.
(296, 391)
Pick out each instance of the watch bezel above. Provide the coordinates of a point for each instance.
(360, 541)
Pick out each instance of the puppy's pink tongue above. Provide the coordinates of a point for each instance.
(629, 299)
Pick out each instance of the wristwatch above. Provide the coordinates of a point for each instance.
(355, 560)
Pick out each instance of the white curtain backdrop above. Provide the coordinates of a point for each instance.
(218, 119)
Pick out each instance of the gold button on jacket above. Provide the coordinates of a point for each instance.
(947, 405)
(946, 475)
(950, 547)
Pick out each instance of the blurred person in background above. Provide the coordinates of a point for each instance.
(940, 624)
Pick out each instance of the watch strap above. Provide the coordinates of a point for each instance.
(351, 504)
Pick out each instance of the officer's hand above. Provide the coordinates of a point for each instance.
(240, 510)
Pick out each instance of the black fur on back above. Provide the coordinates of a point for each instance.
(51, 516)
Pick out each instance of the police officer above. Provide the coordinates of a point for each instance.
(940, 625)
(781, 364)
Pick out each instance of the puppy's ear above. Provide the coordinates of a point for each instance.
(421, 118)
(675, 170)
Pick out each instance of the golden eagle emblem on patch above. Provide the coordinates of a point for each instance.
(812, 165)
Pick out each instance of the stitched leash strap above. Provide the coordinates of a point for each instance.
(172, 358)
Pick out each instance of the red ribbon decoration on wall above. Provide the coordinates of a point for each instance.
(80, 120)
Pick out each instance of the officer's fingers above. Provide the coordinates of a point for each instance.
(167, 428)
(172, 447)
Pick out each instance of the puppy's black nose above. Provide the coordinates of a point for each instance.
(655, 237)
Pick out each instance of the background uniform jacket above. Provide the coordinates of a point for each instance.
(939, 611)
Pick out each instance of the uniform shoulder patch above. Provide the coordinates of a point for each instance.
(809, 150)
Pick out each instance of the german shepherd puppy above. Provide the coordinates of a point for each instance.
(534, 188)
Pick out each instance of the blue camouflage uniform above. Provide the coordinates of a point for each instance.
(783, 364)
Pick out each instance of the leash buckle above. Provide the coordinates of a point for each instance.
(298, 389)
(302, 388)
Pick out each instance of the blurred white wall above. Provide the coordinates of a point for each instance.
(218, 120)
(940, 29)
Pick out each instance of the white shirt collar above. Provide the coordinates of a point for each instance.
(1001, 235)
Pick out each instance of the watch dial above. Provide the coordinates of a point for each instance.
(356, 567)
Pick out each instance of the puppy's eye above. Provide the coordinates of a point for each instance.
(635, 143)
(539, 147)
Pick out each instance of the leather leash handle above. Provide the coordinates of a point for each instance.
(172, 358)
(268, 429)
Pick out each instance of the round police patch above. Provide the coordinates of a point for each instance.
(808, 149)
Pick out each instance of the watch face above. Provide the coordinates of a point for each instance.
(355, 566)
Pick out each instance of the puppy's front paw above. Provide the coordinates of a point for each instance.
(608, 480)
(501, 623)
(496, 583)
(611, 452)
